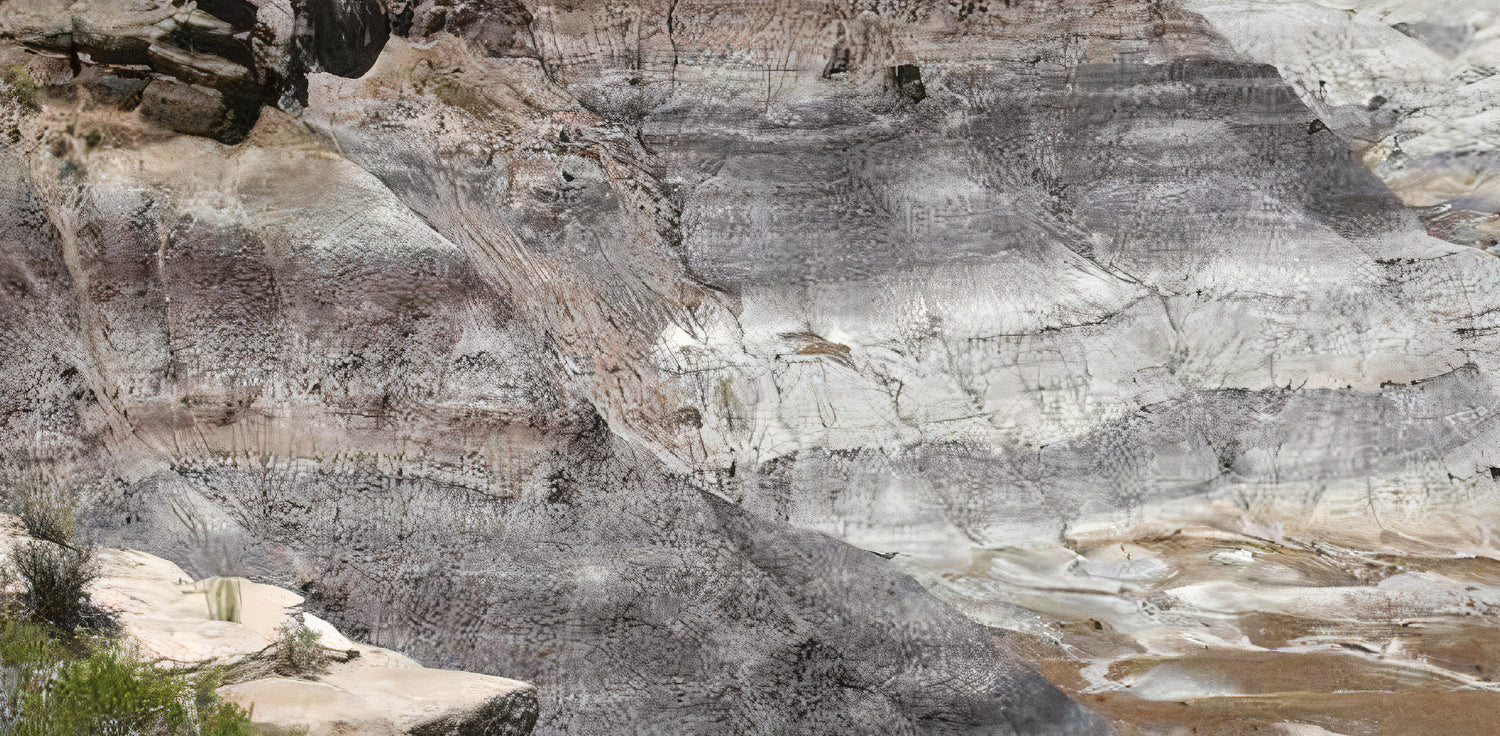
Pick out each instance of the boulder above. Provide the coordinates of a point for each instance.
(218, 60)
(341, 37)
(185, 108)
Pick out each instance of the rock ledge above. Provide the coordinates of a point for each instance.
(173, 619)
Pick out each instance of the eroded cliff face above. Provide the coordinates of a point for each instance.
(599, 345)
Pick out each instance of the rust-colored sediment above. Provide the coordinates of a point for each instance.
(1231, 630)
(1299, 694)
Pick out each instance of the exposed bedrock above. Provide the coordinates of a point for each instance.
(433, 473)
(492, 27)
(634, 600)
(1416, 102)
(595, 344)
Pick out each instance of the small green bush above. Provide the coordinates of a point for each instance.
(19, 86)
(299, 651)
(89, 684)
(25, 643)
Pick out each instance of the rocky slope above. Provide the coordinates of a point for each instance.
(600, 344)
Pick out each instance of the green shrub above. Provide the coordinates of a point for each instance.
(25, 643)
(17, 84)
(91, 685)
(110, 693)
(299, 651)
(56, 585)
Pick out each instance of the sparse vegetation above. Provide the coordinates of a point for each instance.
(64, 671)
(56, 568)
(106, 691)
(300, 651)
(19, 98)
(16, 84)
(56, 586)
(49, 520)
(297, 652)
(227, 129)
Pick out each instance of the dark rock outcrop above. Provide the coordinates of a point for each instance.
(497, 27)
(217, 62)
(188, 108)
(341, 37)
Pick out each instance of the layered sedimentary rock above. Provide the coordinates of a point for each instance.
(600, 345)
(1414, 95)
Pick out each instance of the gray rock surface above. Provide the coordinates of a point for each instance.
(600, 344)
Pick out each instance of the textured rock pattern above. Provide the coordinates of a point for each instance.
(601, 344)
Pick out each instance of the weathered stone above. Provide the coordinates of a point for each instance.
(186, 108)
(497, 27)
